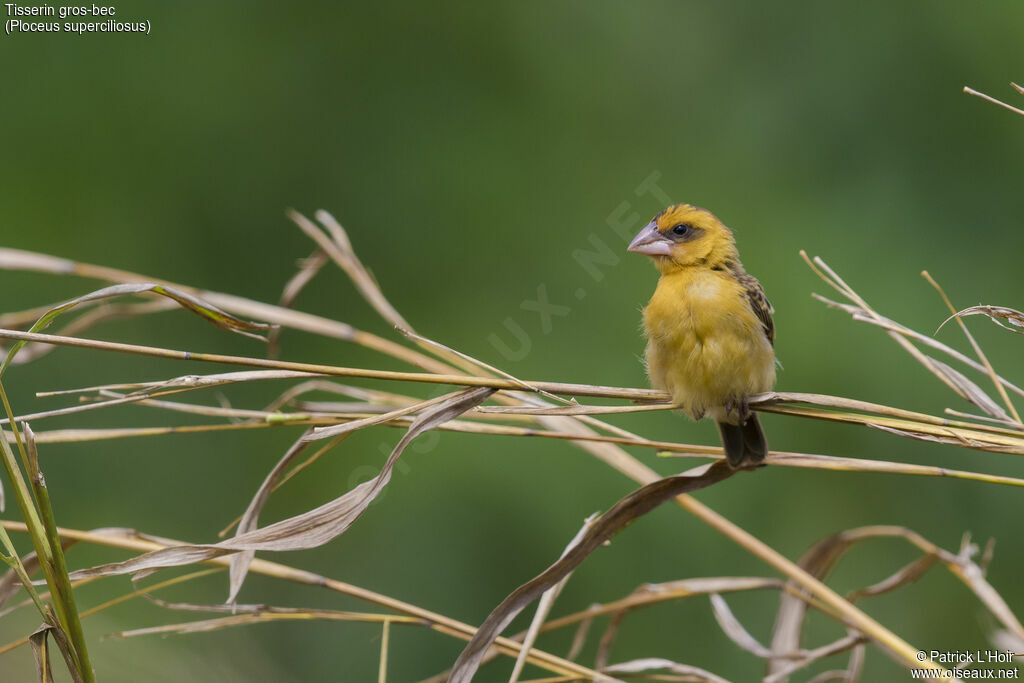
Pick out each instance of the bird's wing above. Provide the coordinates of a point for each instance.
(759, 304)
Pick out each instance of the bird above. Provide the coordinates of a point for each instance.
(709, 328)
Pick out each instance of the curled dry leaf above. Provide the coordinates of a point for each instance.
(102, 313)
(906, 574)
(41, 650)
(1014, 318)
(734, 629)
(223, 320)
(627, 510)
(240, 562)
(39, 641)
(308, 530)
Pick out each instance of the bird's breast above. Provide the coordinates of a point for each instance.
(705, 345)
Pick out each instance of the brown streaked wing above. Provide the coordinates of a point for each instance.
(759, 303)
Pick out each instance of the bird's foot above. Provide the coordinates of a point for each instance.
(739, 407)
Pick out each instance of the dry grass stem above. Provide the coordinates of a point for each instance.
(266, 615)
(1004, 105)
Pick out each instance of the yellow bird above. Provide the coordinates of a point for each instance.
(710, 335)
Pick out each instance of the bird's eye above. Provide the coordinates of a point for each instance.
(681, 230)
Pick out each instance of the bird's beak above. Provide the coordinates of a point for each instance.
(651, 242)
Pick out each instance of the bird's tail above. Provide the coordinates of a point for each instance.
(744, 443)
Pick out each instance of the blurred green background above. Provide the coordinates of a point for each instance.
(470, 149)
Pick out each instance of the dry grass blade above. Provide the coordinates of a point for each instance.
(205, 310)
(622, 513)
(579, 638)
(264, 616)
(547, 601)
(604, 646)
(240, 562)
(346, 427)
(652, 664)
(1004, 105)
(275, 480)
(117, 400)
(41, 651)
(732, 627)
(39, 640)
(102, 313)
(969, 390)
(360, 393)
(954, 439)
(186, 382)
(308, 530)
(981, 418)
(307, 271)
(574, 410)
(339, 249)
(651, 594)
(906, 574)
(840, 675)
(1014, 318)
(836, 463)
(199, 409)
(809, 657)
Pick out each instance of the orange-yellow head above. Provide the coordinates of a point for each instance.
(682, 236)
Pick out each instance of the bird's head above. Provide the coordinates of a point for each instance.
(683, 235)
